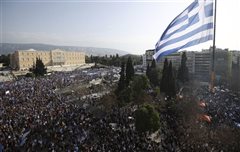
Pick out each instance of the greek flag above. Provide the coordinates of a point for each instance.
(193, 26)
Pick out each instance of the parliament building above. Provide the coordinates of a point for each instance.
(25, 59)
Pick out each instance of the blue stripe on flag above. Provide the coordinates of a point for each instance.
(180, 20)
(192, 6)
(187, 35)
(192, 20)
(185, 17)
(189, 44)
(173, 21)
(206, 25)
(209, 10)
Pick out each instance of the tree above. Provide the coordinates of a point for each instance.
(168, 80)
(183, 75)
(129, 70)
(163, 85)
(138, 87)
(171, 92)
(87, 59)
(153, 65)
(39, 68)
(125, 95)
(152, 74)
(147, 119)
(91, 59)
(5, 59)
(117, 61)
(121, 82)
(148, 71)
(153, 77)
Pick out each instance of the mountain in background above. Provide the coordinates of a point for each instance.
(6, 48)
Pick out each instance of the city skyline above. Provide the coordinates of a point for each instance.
(132, 26)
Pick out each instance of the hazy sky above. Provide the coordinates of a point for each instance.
(133, 26)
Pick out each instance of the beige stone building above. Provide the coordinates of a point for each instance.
(24, 59)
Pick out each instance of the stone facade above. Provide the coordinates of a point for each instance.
(24, 59)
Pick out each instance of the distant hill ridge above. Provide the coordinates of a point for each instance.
(6, 48)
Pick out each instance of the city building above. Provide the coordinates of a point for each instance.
(148, 57)
(175, 58)
(191, 62)
(234, 78)
(25, 59)
(202, 65)
(199, 63)
(144, 60)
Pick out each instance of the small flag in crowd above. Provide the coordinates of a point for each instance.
(23, 138)
(202, 103)
(7, 92)
(1, 148)
(193, 26)
(205, 118)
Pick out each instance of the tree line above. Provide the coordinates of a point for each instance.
(135, 88)
(113, 60)
(5, 59)
(170, 79)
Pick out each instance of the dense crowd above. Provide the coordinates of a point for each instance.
(29, 103)
(189, 133)
(222, 105)
(34, 117)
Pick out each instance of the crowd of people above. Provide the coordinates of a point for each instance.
(35, 117)
(222, 105)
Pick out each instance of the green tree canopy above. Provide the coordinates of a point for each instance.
(129, 70)
(39, 68)
(148, 71)
(168, 80)
(183, 75)
(121, 82)
(171, 90)
(153, 65)
(5, 59)
(164, 84)
(153, 74)
(138, 87)
(147, 119)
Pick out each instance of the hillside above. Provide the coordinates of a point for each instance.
(6, 48)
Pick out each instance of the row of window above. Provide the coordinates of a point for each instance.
(68, 63)
(54, 53)
(27, 65)
(32, 59)
(32, 53)
(44, 59)
(71, 58)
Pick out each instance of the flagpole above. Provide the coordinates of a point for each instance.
(214, 47)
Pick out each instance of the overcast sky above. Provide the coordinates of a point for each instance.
(133, 26)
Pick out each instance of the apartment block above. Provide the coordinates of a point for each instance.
(199, 63)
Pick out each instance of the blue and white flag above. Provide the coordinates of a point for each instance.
(193, 26)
